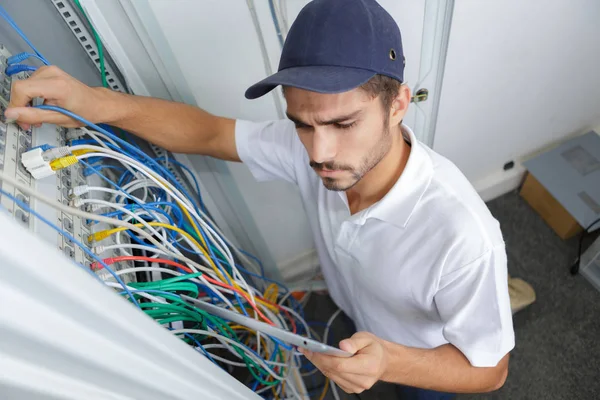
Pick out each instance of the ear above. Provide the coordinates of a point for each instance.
(399, 105)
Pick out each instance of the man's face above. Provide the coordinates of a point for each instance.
(345, 134)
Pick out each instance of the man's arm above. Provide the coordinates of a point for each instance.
(443, 369)
(175, 126)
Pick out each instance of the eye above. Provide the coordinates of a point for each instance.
(345, 126)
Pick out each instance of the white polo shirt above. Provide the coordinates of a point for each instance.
(424, 266)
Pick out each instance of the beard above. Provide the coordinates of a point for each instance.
(370, 161)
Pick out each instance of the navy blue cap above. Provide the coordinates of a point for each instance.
(335, 46)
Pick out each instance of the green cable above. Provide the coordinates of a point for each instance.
(178, 278)
(98, 44)
(166, 313)
(100, 54)
(171, 284)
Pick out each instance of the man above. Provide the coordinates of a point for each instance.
(408, 249)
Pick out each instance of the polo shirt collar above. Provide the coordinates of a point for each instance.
(398, 204)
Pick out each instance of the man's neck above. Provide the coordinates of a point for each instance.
(377, 182)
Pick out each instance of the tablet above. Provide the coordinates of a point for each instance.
(281, 334)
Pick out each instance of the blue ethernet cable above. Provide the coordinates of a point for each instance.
(197, 343)
(87, 172)
(154, 207)
(17, 68)
(71, 238)
(186, 169)
(17, 58)
(260, 264)
(14, 25)
(119, 188)
(242, 269)
(272, 358)
(237, 297)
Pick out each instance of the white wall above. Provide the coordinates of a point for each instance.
(217, 49)
(519, 75)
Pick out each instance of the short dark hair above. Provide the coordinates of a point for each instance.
(385, 87)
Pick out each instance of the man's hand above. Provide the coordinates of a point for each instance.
(177, 127)
(359, 372)
(443, 368)
(57, 88)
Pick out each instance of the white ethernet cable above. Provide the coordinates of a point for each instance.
(250, 354)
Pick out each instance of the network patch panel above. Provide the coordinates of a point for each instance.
(14, 141)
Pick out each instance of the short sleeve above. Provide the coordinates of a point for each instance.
(269, 149)
(474, 305)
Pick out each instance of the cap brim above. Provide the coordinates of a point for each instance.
(320, 79)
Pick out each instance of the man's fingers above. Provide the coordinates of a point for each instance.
(34, 116)
(357, 342)
(26, 90)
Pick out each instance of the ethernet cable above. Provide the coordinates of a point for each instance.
(192, 175)
(121, 247)
(18, 68)
(257, 358)
(97, 135)
(65, 234)
(234, 363)
(131, 289)
(134, 216)
(17, 58)
(14, 25)
(197, 281)
(205, 279)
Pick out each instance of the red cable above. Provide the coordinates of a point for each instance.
(289, 317)
(113, 260)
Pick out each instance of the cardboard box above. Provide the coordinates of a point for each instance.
(563, 184)
(549, 208)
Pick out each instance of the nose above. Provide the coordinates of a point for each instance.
(324, 146)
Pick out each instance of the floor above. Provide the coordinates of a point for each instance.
(557, 355)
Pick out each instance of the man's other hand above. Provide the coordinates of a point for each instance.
(359, 372)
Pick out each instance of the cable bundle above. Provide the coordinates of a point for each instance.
(177, 249)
